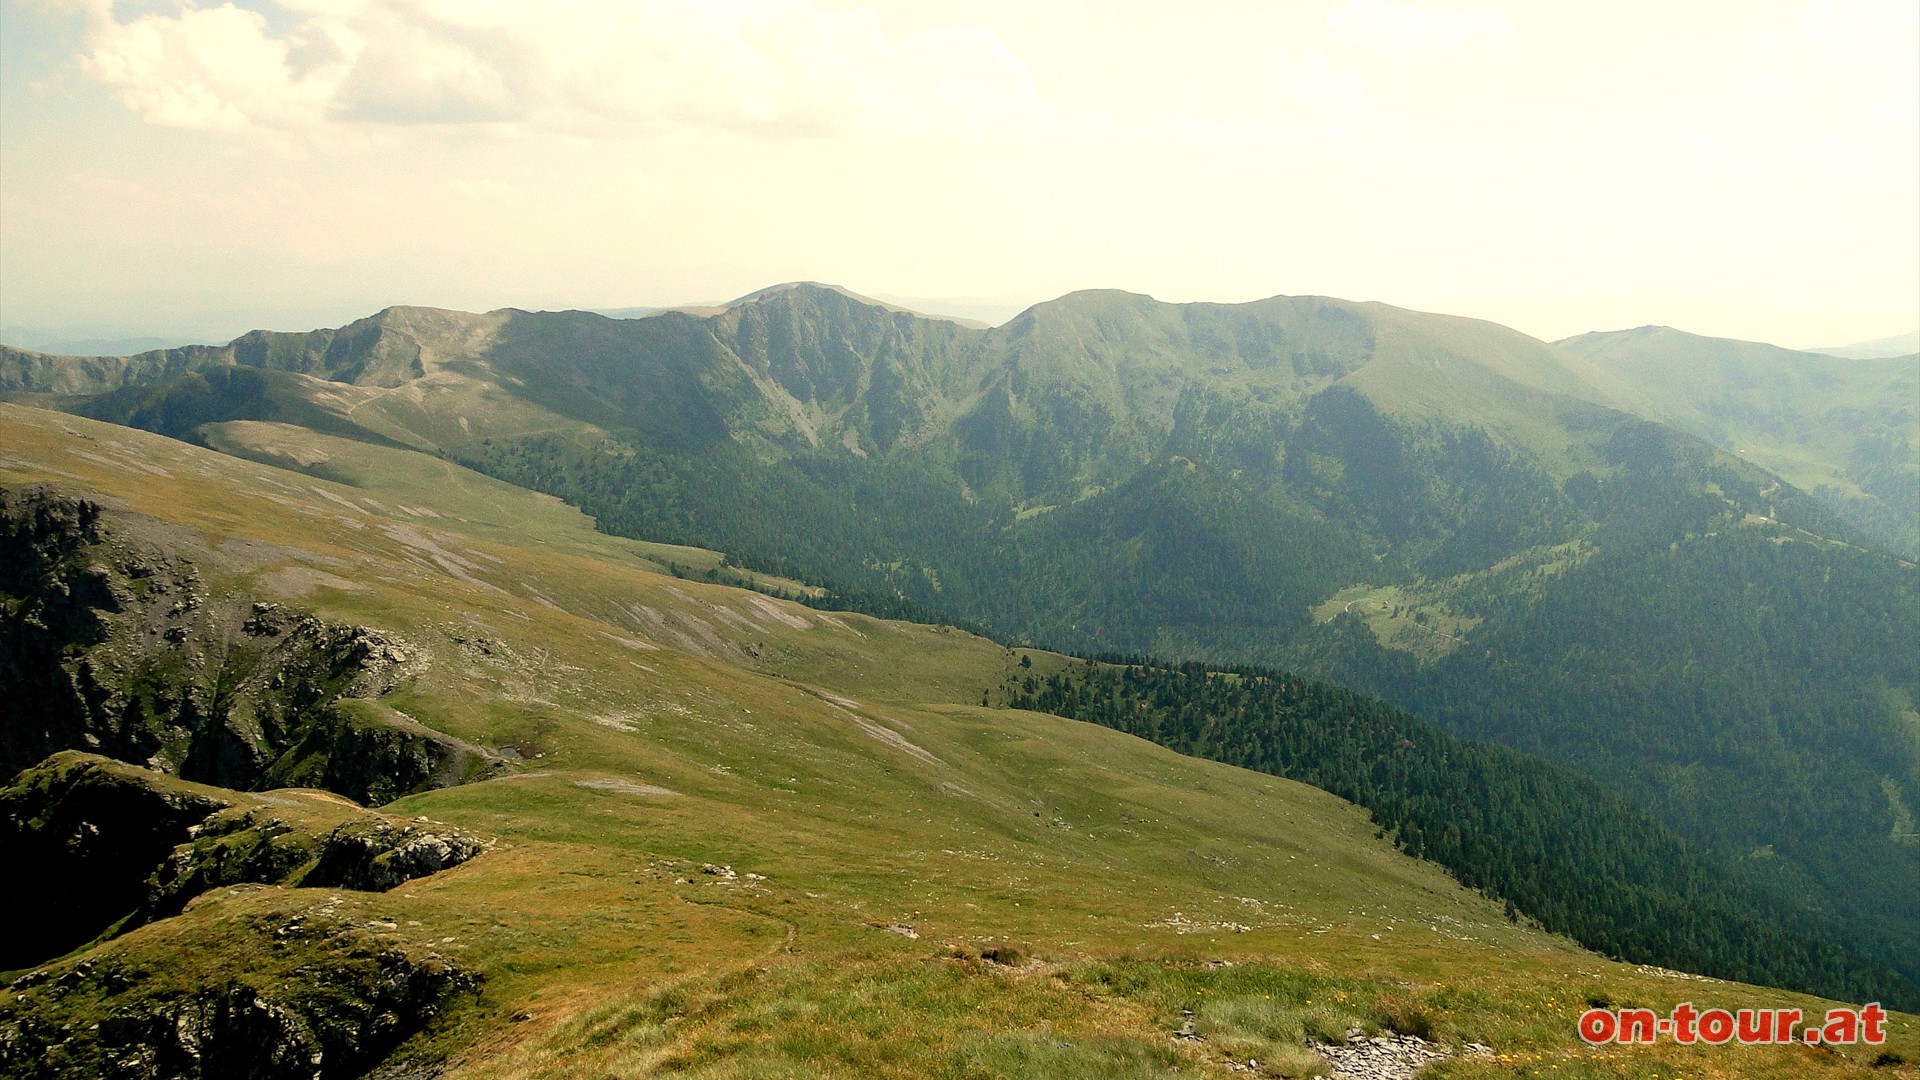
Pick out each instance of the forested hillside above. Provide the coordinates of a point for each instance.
(1764, 728)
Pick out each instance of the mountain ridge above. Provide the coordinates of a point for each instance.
(1845, 429)
(1906, 344)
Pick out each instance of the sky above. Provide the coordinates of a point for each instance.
(1741, 168)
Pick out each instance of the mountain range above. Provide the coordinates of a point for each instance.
(1680, 566)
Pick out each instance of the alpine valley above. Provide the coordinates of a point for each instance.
(810, 687)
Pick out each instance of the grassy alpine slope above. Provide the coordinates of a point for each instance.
(904, 883)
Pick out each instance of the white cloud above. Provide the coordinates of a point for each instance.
(1403, 29)
(779, 66)
(215, 68)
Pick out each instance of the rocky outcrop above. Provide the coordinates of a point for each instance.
(104, 844)
(118, 646)
(235, 846)
(374, 755)
(322, 997)
(377, 854)
(54, 604)
(282, 709)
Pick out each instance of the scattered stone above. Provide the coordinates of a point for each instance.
(1388, 1056)
(1180, 923)
(1669, 973)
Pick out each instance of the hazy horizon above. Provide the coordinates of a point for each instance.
(1748, 171)
(111, 340)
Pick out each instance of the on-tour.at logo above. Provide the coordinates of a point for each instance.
(1686, 1025)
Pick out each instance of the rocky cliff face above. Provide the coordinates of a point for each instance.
(82, 839)
(117, 646)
